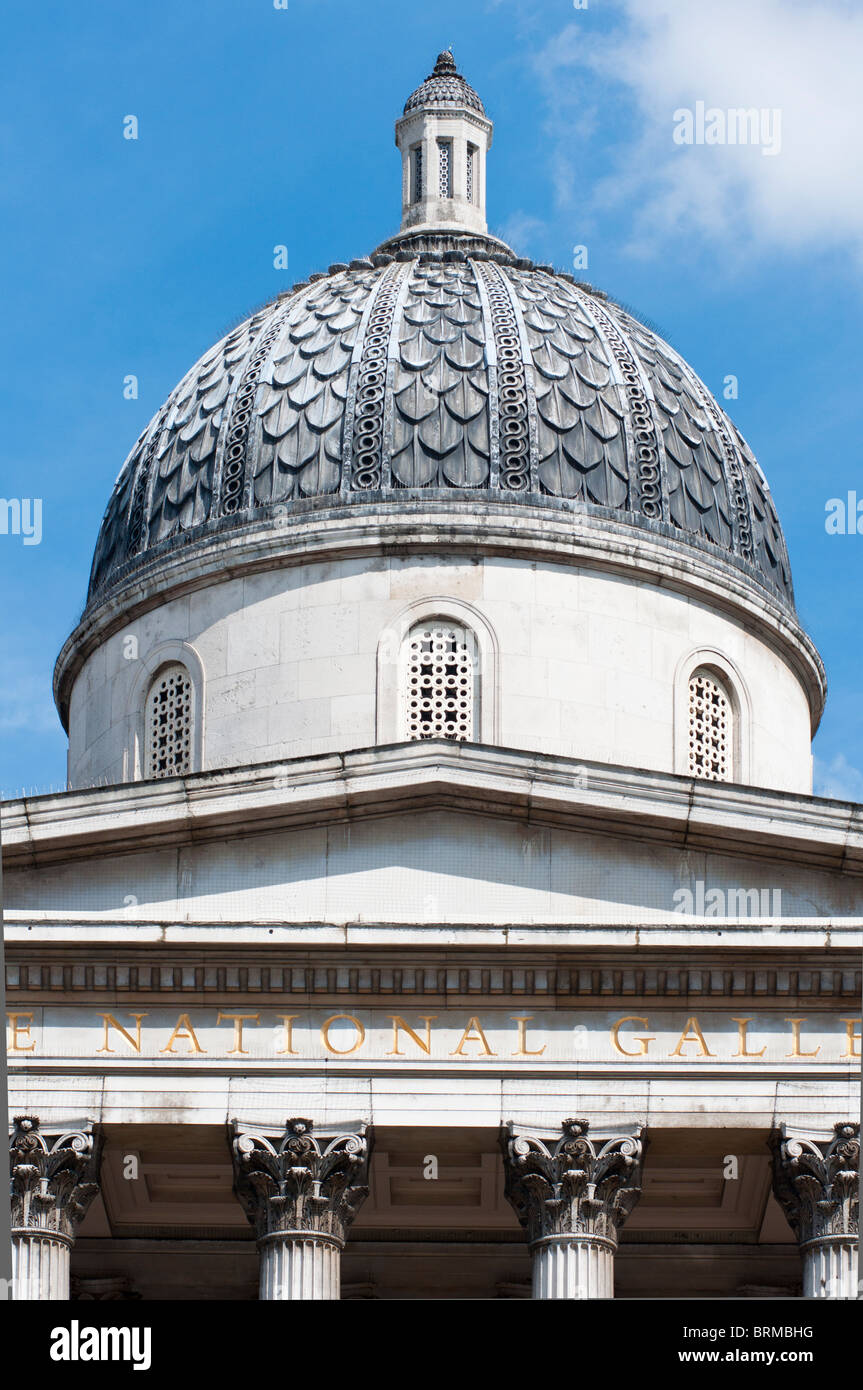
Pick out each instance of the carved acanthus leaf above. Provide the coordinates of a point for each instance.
(53, 1175)
(575, 1186)
(299, 1181)
(816, 1182)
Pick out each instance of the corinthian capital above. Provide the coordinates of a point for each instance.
(815, 1182)
(54, 1176)
(299, 1183)
(574, 1186)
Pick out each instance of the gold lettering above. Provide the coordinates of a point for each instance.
(185, 1031)
(795, 1040)
(473, 1027)
(288, 1049)
(741, 1039)
(238, 1020)
(21, 1040)
(523, 1020)
(343, 1052)
(645, 1042)
(20, 1028)
(398, 1022)
(111, 1022)
(853, 1035)
(691, 1027)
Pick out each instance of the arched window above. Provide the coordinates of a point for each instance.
(441, 681)
(711, 727)
(168, 724)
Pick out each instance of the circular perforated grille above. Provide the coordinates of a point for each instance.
(168, 724)
(710, 730)
(440, 681)
(444, 169)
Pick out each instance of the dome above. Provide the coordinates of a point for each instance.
(444, 87)
(445, 374)
(441, 447)
(443, 370)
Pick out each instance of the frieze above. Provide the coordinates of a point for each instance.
(555, 1038)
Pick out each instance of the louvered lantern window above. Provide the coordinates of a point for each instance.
(416, 173)
(168, 724)
(471, 173)
(444, 154)
(441, 677)
(711, 728)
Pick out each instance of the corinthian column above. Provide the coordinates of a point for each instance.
(815, 1182)
(301, 1192)
(572, 1195)
(53, 1178)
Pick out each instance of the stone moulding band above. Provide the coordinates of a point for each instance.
(842, 1239)
(574, 1238)
(308, 1237)
(552, 535)
(37, 1233)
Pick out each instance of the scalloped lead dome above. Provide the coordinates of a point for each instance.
(448, 369)
(444, 86)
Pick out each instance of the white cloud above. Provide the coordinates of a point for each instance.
(803, 57)
(838, 780)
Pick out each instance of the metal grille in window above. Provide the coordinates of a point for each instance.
(471, 153)
(417, 174)
(711, 734)
(444, 168)
(440, 683)
(168, 724)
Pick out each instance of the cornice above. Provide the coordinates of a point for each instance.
(394, 779)
(440, 113)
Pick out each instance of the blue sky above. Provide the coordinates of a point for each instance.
(261, 126)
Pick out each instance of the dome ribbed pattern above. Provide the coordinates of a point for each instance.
(447, 373)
